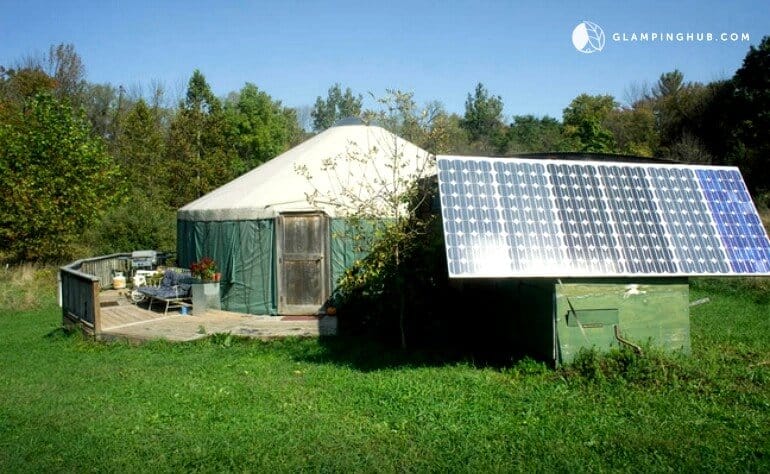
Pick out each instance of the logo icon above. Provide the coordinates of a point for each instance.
(588, 37)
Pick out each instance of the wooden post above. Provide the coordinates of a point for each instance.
(97, 308)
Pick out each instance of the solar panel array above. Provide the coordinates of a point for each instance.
(555, 218)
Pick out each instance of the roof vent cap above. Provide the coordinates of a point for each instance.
(349, 121)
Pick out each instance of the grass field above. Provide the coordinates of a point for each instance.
(67, 404)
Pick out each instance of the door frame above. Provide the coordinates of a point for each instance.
(325, 277)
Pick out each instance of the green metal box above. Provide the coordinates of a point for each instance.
(555, 319)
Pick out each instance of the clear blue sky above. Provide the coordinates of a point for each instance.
(439, 50)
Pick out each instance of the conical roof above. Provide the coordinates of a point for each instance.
(338, 169)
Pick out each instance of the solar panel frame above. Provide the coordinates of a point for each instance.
(512, 217)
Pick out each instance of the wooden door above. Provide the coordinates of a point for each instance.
(303, 263)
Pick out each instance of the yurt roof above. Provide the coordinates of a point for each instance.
(339, 169)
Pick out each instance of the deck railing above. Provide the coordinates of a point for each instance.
(79, 285)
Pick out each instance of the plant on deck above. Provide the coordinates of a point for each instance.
(205, 269)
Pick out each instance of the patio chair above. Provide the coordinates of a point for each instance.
(173, 289)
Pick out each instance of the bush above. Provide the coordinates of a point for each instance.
(370, 299)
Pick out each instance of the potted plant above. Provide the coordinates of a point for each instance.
(205, 269)
(205, 294)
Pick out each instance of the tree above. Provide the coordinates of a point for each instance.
(18, 85)
(593, 137)
(453, 138)
(528, 133)
(585, 123)
(669, 84)
(142, 217)
(668, 102)
(689, 148)
(199, 156)
(262, 127)
(62, 178)
(337, 105)
(426, 127)
(587, 106)
(140, 149)
(62, 68)
(102, 105)
(483, 119)
(679, 108)
(67, 68)
(304, 115)
(752, 114)
(199, 98)
(633, 129)
(381, 208)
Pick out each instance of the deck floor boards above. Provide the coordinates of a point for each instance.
(134, 322)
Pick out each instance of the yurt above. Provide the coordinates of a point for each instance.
(279, 233)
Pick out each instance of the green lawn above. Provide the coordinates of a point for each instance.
(67, 404)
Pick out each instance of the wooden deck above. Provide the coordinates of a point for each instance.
(123, 320)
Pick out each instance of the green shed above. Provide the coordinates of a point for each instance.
(280, 233)
(573, 314)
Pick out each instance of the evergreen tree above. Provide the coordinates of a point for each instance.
(338, 105)
(199, 157)
(483, 119)
(140, 149)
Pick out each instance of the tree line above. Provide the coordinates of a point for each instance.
(94, 168)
